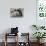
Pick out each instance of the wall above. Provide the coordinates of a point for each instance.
(23, 23)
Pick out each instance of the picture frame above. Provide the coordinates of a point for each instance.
(16, 12)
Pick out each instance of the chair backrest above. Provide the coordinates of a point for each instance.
(14, 30)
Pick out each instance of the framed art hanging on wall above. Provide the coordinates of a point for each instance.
(16, 12)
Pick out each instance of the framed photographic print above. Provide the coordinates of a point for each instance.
(16, 12)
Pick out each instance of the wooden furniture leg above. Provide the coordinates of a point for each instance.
(17, 40)
(5, 40)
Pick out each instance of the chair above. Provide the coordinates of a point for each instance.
(25, 43)
(7, 35)
(14, 32)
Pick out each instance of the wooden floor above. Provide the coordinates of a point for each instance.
(13, 44)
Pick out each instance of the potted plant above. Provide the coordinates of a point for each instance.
(39, 35)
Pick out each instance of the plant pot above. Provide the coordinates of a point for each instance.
(40, 41)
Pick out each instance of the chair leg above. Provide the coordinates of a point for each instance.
(5, 43)
(17, 39)
(5, 40)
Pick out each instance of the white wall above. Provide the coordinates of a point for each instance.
(23, 23)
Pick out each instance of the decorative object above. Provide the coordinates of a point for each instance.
(16, 12)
